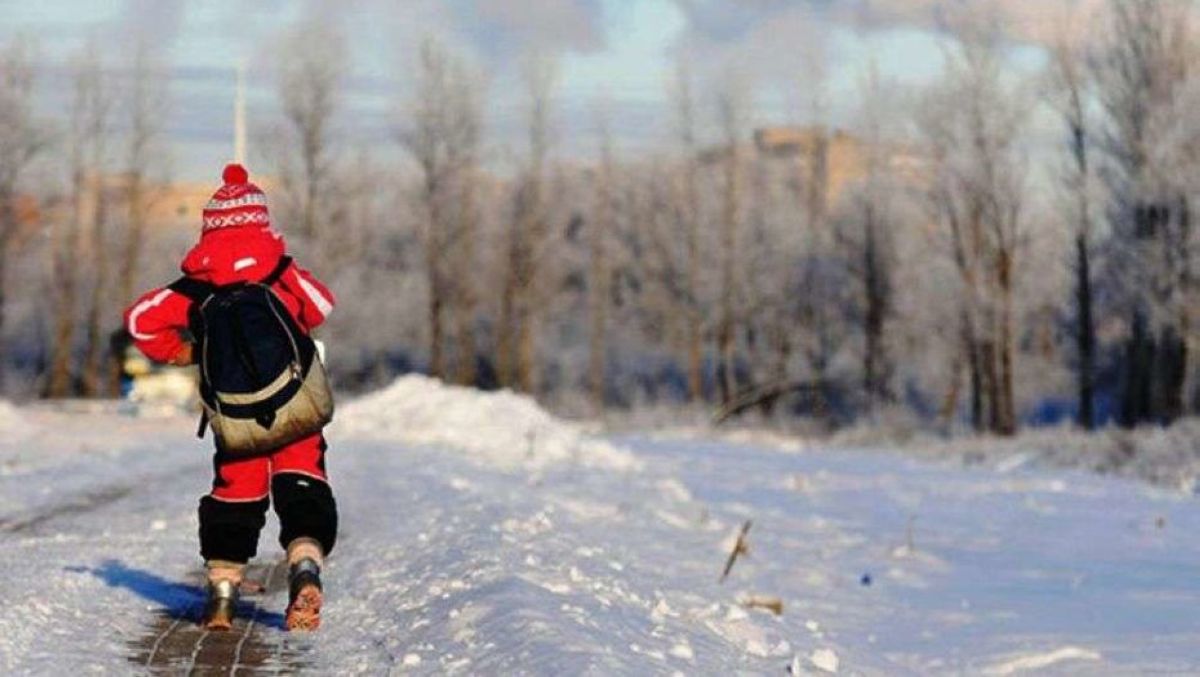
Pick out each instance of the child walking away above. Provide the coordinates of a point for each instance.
(243, 312)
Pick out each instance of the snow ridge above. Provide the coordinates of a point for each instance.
(499, 429)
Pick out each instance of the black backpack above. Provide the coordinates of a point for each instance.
(262, 384)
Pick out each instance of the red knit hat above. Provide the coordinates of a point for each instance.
(237, 203)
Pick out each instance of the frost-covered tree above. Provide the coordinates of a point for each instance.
(1069, 95)
(80, 240)
(601, 227)
(312, 67)
(971, 124)
(443, 137)
(145, 100)
(529, 236)
(866, 230)
(730, 104)
(1142, 68)
(22, 138)
(672, 227)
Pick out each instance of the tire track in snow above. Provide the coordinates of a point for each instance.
(101, 498)
(89, 502)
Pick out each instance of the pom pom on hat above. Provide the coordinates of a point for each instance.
(235, 174)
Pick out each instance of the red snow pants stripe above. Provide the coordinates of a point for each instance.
(249, 479)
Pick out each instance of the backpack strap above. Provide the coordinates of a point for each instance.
(192, 288)
(285, 262)
(203, 423)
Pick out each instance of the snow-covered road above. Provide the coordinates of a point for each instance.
(450, 563)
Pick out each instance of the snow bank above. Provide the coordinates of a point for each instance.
(1166, 457)
(500, 429)
(12, 422)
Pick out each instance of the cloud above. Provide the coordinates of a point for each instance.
(508, 26)
(722, 20)
(155, 23)
(806, 57)
(1032, 21)
(796, 43)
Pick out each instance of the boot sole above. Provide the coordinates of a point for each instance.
(219, 625)
(304, 613)
(219, 618)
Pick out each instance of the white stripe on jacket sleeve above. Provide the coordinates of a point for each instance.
(324, 305)
(143, 307)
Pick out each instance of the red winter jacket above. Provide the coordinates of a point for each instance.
(225, 256)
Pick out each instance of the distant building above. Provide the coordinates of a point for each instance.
(169, 206)
(797, 141)
(28, 212)
(842, 157)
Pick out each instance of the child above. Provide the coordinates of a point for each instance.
(238, 247)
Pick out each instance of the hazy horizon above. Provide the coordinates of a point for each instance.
(611, 54)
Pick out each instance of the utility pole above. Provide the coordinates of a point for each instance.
(239, 116)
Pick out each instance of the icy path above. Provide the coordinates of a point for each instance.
(448, 565)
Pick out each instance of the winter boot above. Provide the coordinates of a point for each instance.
(224, 579)
(305, 594)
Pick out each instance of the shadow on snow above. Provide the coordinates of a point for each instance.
(178, 601)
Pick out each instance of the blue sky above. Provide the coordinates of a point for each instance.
(619, 51)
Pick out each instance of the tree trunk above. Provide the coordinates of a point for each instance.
(695, 332)
(950, 400)
(134, 239)
(465, 372)
(599, 297)
(505, 341)
(1007, 419)
(876, 290)
(725, 350)
(1085, 333)
(695, 356)
(506, 327)
(60, 381)
(1170, 369)
(465, 291)
(8, 227)
(309, 216)
(990, 382)
(1139, 358)
(436, 331)
(68, 249)
(526, 376)
(726, 331)
(130, 262)
(1085, 328)
(975, 371)
(97, 343)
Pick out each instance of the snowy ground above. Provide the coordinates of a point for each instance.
(561, 562)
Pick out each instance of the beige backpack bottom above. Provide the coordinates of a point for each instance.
(305, 414)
